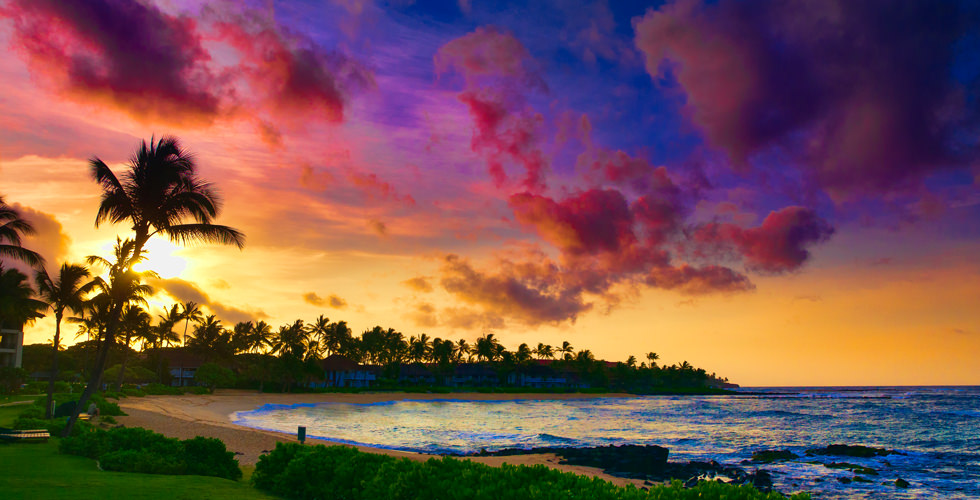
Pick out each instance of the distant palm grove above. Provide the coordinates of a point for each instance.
(104, 299)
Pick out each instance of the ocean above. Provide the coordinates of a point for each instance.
(936, 430)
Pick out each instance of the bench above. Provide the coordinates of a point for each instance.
(84, 416)
(28, 435)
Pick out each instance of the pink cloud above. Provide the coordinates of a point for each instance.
(125, 54)
(488, 52)
(587, 223)
(778, 245)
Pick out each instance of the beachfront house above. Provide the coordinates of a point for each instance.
(183, 364)
(341, 371)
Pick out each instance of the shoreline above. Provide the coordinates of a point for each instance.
(211, 415)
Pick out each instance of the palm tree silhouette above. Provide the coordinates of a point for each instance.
(12, 227)
(18, 306)
(159, 193)
(566, 349)
(123, 287)
(135, 324)
(66, 293)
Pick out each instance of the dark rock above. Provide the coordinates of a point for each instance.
(857, 469)
(846, 450)
(692, 482)
(767, 456)
(859, 479)
(901, 483)
(762, 480)
(844, 480)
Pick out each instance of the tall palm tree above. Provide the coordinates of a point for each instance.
(123, 287)
(66, 293)
(463, 349)
(419, 348)
(160, 192)
(191, 312)
(488, 348)
(12, 227)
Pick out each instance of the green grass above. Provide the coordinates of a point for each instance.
(32, 471)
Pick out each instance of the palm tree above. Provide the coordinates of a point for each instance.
(631, 362)
(191, 312)
(165, 333)
(12, 227)
(566, 349)
(18, 306)
(67, 292)
(419, 348)
(135, 324)
(260, 337)
(123, 287)
(544, 351)
(462, 349)
(488, 348)
(653, 357)
(159, 193)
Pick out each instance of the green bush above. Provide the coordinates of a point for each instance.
(162, 390)
(32, 411)
(296, 471)
(30, 423)
(209, 457)
(134, 449)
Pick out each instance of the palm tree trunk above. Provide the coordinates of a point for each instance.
(54, 366)
(122, 366)
(95, 378)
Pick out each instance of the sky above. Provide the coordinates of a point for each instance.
(784, 193)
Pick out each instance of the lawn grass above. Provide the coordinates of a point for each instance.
(32, 471)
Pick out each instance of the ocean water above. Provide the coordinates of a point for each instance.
(936, 428)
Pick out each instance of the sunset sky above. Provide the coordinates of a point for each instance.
(785, 193)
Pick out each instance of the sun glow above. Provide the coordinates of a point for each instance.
(161, 258)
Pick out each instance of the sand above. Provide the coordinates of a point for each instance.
(210, 415)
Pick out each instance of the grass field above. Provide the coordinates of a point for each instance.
(33, 471)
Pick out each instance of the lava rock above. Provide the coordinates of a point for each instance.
(857, 469)
(901, 483)
(846, 450)
(844, 480)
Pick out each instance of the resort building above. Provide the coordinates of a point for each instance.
(182, 365)
(341, 371)
(11, 348)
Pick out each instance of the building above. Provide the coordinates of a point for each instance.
(341, 371)
(11, 348)
(183, 364)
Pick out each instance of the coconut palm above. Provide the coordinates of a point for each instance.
(124, 286)
(66, 293)
(135, 324)
(566, 350)
(260, 337)
(18, 307)
(191, 312)
(419, 348)
(544, 351)
(653, 357)
(488, 348)
(12, 228)
(462, 350)
(159, 193)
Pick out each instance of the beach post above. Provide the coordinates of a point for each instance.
(301, 434)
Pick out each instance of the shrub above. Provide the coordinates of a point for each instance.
(32, 411)
(108, 419)
(296, 471)
(213, 375)
(30, 423)
(134, 449)
(209, 457)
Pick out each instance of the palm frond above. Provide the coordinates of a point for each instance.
(208, 233)
(20, 253)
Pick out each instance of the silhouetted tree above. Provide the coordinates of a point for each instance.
(67, 292)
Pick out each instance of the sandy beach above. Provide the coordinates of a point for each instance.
(188, 416)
